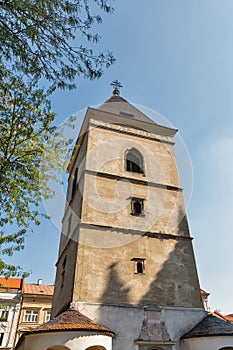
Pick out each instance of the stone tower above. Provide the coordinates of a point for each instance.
(126, 259)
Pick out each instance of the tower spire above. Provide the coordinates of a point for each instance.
(117, 85)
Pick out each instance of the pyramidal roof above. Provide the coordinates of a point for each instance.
(118, 105)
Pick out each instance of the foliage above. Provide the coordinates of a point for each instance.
(39, 38)
(40, 41)
(27, 160)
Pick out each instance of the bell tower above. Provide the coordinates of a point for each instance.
(126, 258)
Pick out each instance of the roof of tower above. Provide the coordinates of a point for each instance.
(117, 110)
(118, 105)
(210, 326)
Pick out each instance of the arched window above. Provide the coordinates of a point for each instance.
(134, 161)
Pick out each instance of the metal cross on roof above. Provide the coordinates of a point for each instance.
(117, 85)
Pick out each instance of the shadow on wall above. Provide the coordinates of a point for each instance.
(115, 284)
(175, 284)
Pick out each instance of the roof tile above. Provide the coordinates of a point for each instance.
(118, 105)
(210, 326)
(71, 319)
(38, 289)
(11, 283)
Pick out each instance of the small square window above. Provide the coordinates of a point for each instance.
(139, 266)
(137, 207)
(4, 315)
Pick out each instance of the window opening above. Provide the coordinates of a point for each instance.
(74, 184)
(63, 272)
(134, 161)
(139, 265)
(4, 315)
(126, 114)
(137, 206)
(47, 316)
(69, 225)
(1, 338)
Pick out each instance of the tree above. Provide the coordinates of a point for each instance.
(38, 41)
(31, 152)
(39, 38)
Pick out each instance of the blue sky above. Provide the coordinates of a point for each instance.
(175, 57)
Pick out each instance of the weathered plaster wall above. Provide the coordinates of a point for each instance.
(106, 152)
(69, 237)
(71, 340)
(108, 274)
(73, 205)
(207, 343)
(64, 284)
(107, 201)
(127, 323)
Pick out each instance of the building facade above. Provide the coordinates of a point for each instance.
(10, 300)
(36, 306)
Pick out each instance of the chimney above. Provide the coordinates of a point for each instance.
(39, 282)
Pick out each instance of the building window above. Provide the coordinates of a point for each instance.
(4, 315)
(1, 338)
(63, 272)
(47, 316)
(69, 225)
(139, 265)
(137, 206)
(31, 316)
(74, 183)
(134, 161)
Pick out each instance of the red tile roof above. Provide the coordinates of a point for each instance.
(218, 314)
(229, 318)
(70, 320)
(204, 293)
(11, 283)
(38, 289)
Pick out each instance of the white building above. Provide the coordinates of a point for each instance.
(10, 298)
